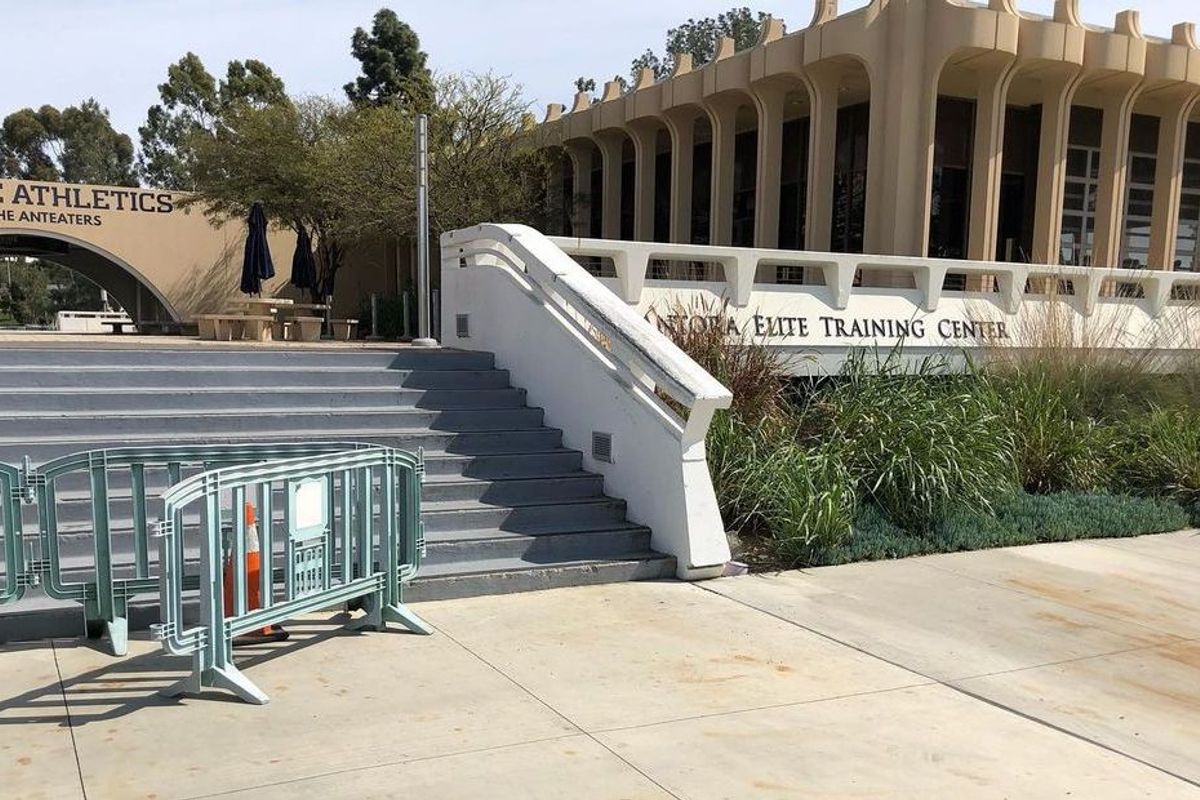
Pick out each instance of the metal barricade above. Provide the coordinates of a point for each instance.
(106, 593)
(362, 552)
(12, 493)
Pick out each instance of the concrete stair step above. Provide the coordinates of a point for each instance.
(512, 465)
(183, 377)
(548, 544)
(74, 507)
(464, 445)
(260, 399)
(583, 514)
(512, 491)
(219, 356)
(40, 617)
(212, 423)
(505, 576)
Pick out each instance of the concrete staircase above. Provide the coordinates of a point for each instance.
(506, 506)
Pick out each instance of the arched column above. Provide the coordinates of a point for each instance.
(681, 126)
(768, 104)
(581, 154)
(988, 159)
(1114, 155)
(722, 114)
(822, 86)
(644, 135)
(611, 144)
(1058, 93)
(1168, 178)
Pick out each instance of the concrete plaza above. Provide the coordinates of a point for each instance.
(1047, 671)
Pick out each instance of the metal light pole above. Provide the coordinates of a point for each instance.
(424, 339)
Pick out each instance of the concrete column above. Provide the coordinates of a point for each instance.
(768, 103)
(1058, 92)
(987, 161)
(1168, 179)
(682, 128)
(580, 154)
(610, 145)
(645, 149)
(900, 149)
(822, 149)
(1114, 160)
(723, 116)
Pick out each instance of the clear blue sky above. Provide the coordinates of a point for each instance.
(62, 51)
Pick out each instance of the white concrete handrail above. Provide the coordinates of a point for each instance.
(641, 347)
(599, 371)
(631, 260)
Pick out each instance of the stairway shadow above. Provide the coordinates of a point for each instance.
(124, 686)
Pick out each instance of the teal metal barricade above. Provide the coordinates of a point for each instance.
(368, 550)
(12, 494)
(106, 587)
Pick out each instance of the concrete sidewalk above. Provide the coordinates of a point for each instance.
(1045, 671)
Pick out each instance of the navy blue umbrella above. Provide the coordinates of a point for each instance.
(256, 264)
(304, 268)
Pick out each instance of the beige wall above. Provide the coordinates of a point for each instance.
(123, 237)
(900, 55)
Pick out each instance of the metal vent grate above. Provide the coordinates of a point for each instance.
(602, 447)
(462, 326)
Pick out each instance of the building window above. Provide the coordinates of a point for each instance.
(793, 184)
(1139, 192)
(789, 273)
(950, 194)
(1079, 197)
(850, 178)
(1187, 239)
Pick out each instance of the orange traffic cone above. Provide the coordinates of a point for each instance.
(253, 584)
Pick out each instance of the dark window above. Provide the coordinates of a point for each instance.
(745, 168)
(850, 179)
(793, 184)
(950, 194)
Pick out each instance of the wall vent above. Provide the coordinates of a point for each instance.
(602, 447)
(462, 326)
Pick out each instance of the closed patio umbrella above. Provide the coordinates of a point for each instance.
(304, 267)
(256, 263)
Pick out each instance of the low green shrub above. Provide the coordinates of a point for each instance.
(768, 483)
(1161, 455)
(1017, 519)
(1057, 446)
(920, 443)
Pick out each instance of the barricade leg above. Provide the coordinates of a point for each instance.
(380, 613)
(226, 677)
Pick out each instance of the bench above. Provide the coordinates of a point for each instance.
(231, 327)
(119, 326)
(343, 330)
(305, 329)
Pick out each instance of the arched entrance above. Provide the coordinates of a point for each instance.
(161, 257)
(141, 300)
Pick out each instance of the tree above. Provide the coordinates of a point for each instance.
(284, 155)
(193, 104)
(77, 144)
(393, 64)
(696, 36)
(483, 164)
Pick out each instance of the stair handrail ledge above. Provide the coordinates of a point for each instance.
(594, 365)
(639, 345)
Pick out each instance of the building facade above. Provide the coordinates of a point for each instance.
(908, 127)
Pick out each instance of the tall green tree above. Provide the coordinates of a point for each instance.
(698, 37)
(193, 103)
(393, 64)
(77, 144)
(284, 155)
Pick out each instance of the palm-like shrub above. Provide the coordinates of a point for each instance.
(1058, 445)
(919, 440)
(1160, 455)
